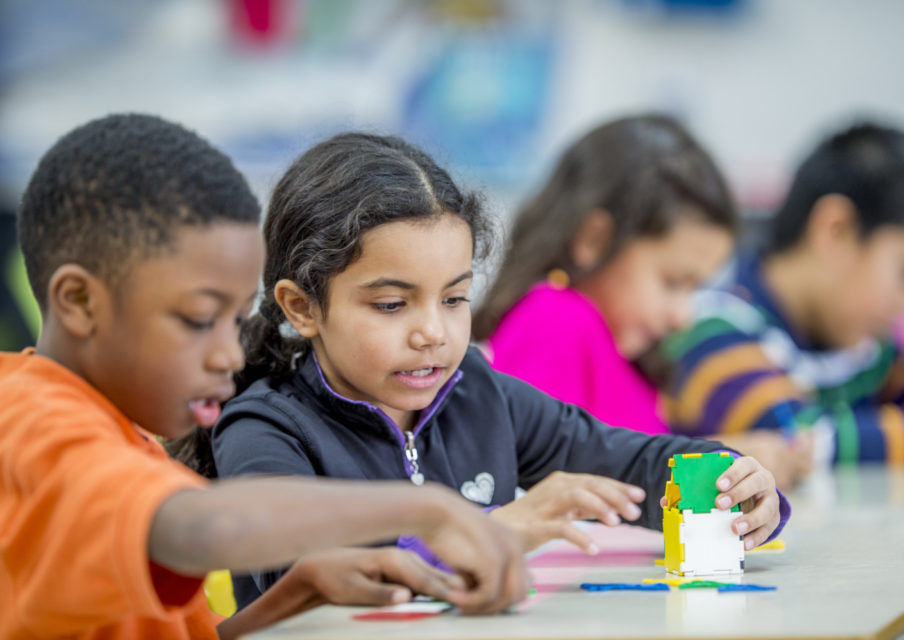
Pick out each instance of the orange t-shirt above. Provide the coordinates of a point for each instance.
(79, 486)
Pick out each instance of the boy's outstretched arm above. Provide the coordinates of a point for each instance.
(245, 524)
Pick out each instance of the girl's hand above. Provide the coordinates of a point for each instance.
(748, 483)
(546, 511)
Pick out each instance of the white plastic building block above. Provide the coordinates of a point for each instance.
(710, 546)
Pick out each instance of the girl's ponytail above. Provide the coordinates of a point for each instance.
(268, 354)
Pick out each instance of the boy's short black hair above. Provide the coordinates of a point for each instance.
(118, 189)
(865, 163)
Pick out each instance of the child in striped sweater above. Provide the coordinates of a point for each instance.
(796, 339)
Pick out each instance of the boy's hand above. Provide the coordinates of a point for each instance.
(746, 482)
(383, 576)
(487, 555)
(546, 511)
(342, 576)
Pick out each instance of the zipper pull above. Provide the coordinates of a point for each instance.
(411, 453)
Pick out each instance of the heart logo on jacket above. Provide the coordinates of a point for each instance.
(480, 489)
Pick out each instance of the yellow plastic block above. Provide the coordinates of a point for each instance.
(774, 546)
(672, 494)
(218, 589)
(674, 550)
(672, 582)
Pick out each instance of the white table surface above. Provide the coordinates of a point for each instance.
(841, 576)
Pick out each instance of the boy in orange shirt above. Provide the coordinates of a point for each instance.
(142, 246)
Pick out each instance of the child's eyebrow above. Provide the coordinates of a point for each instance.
(387, 282)
(213, 293)
(467, 275)
(401, 284)
(221, 296)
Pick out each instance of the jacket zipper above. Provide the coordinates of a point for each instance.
(416, 476)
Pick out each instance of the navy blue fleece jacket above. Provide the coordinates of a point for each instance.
(485, 434)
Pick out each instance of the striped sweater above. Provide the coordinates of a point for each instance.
(741, 365)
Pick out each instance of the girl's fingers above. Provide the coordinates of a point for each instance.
(590, 504)
(751, 485)
(619, 496)
(739, 469)
(563, 494)
(746, 481)
(629, 491)
(764, 512)
(759, 536)
(607, 505)
(602, 484)
(567, 531)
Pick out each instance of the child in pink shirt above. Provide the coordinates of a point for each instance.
(579, 364)
(602, 264)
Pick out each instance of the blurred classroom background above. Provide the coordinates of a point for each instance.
(495, 89)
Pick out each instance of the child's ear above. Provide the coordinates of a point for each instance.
(592, 239)
(832, 225)
(300, 310)
(73, 296)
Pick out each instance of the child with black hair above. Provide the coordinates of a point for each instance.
(795, 340)
(370, 252)
(142, 247)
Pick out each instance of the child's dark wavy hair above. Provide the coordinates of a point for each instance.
(645, 171)
(319, 212)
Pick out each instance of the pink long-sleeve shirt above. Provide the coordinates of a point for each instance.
(558, 341)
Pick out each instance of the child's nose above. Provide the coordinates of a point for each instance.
(429, 332)
(227, 355)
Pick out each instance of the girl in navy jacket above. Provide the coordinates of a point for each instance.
(359, 365)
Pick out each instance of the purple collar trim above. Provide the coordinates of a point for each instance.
(426, 413)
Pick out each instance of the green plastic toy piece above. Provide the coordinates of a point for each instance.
(702, 584)
(696, 475)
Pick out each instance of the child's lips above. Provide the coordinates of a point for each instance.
(421, 377)
(206, 412)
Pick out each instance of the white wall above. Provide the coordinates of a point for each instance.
(757, 87)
